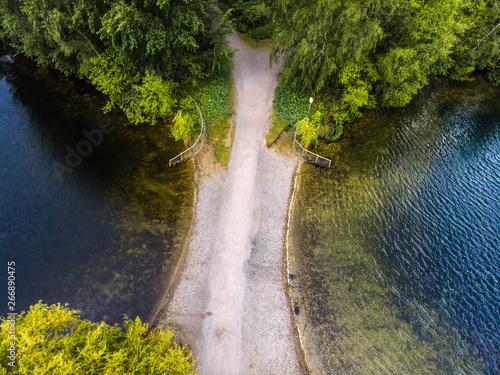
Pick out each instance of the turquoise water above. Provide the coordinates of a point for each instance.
(398, 244)
(101, 231)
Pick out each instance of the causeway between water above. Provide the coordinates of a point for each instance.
(229, 302)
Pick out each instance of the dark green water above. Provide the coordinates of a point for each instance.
(102, 233)
(398, 245)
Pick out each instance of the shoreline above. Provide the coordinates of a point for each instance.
(305, 336)
(293, 190)
(162, 304)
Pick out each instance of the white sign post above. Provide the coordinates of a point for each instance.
(310, 103)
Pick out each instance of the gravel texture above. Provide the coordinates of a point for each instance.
(229, 303)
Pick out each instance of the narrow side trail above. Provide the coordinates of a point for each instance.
(229, 302)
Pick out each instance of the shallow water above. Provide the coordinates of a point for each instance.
(103, 233)
(398, 245)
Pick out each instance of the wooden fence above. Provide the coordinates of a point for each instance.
(195, 148)
(309, 156)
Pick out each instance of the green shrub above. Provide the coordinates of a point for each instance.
(213, 98)
(252, 17)
(143, 99)
(494, 76)
(55, 340)
(334, 132)
(242, 27)
(307, 130)
(184, 125)
(215, 104)
(262, 32)
(251, 14)
(290, 104)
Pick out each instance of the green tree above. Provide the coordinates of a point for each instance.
(55, 340)
(151, 100)
(143, 54)
(402, 76)
(423, 48)
(364, 51)
(111, 77)
(307, 129)
(51, 32)
(320, 37)
(357, 79)
(481, 45)
(184, 124)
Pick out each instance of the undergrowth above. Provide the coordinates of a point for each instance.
(250, 17)
(215, 103)
(220, 134)
(214, 97)
(290, 105)
(263, 43)
(277, 126)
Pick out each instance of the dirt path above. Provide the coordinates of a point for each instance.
(230, 302)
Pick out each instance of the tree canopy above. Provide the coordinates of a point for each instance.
(369, 52)
(146, 55)
(143, 54)
(405, 41)
(55, 340)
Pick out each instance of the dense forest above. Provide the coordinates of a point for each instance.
(144, 55)
(360, 54)
(349, 55)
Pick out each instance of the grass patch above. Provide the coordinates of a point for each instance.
(292, 105)
(264, 43)
(284, 143)
(216, 105)
(220, 134)
(276, 127)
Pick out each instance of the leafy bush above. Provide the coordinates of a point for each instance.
(241, 26)
(151, 100)
(334, 132)
(145, 99)
(187, 122)
(183, 126)
(252, 17)
(251, 14)
(262, 32)
(494, 76)
(55, 340)
(213, 98)
(290, 104)
(215, 104)
(307, 130)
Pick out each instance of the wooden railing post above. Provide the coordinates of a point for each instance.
(310, 156)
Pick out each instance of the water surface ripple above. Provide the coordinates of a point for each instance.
(104, 234)
(398, 246)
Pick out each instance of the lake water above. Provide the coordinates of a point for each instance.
(397, 247)
(103, 231)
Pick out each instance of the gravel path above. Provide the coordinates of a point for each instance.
(229, 302)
